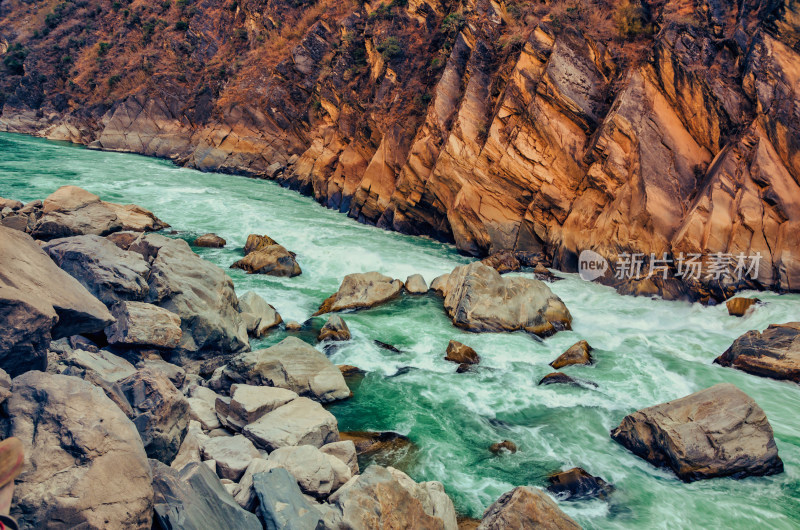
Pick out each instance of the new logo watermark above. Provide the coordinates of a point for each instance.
(719, 266)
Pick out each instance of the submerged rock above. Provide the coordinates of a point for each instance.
(84, 460)
(477, 298)
(195, 499)
(738, 306)
(361, 291)
(504, 446)
(335, 329)
(577, 484)
(774, 353)
(525, 507)
(461, 353)
(39, 302)
(290, 364)
(717, 432)
(383, 447)
(578, 353)
(209, 241)
(558, 378)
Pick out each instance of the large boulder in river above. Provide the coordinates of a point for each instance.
(195, 499)
(460, 353)
(197, 291)
(360, 291)
(717, 432)
(72, 211)
(84, 461)
(273, 260)
(141, 324)
(525, 507)
(376, 499)
(578, 353)
(259, 317)
(290, 364)
(477, 298)
(39, 301)
(774, 353)
(159, 411)
(107, 271)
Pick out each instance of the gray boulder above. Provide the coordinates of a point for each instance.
(290, 364)
(316, 473)
(195, 499)
(198, 291)
(415, 284)
(478, 298)
(108, 272)
(39, 301)
(299, 422)
(774, 353)
(717, 432)
(259, 317)
(246, 496)
(525, 507)
(159, 411)
(361, 291)
(85, 465)
(141, 324)
(345, 451)
(281, 504)
(231, 453)
(190, 446)
(249, 403)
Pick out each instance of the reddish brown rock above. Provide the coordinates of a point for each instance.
(504, 446)
(774, 353)
(578, 353)
(738, 306)
(461, 353)
(209, 241)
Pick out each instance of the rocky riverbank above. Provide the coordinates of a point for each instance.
(128, 374)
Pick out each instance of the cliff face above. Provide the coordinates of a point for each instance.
(671, 127)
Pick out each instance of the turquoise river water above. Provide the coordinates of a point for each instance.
(647, 351)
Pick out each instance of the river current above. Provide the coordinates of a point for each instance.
(646, 351)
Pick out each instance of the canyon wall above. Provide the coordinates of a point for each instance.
(619, 127)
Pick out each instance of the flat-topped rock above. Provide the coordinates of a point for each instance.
(209, 241)
(290, 364)
(39, 302)
(361, 291)
(717, 432)
(477, 298)
(774, 353)
(232, 455)
(299, 422)
(248, 403)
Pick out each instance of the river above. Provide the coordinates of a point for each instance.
(647, 351)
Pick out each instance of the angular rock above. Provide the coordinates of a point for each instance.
(273, 260)
(577, 484)
(258, 316)
(525, 507)
(159, 411)
(503, 261)
(204, 413)
(382, 447)
(209, 241)
(717, 432)
(282, 505)
(461, 353)
(5, 388)
(174, 373)
(360, 291)
(71, 211)
(299, 422)
(195, 499)
(108, 272)
(558, 378)
(477, 298)
(248, 403)
(311, 468)
(197, 291)
(375, 499)
(431, 495)
(246, 496)
(578, 353)
(84, 460)
(774, 353)
(345, 451)
(135, 218)
(231, 453)
(190, 447)
(10, 203)
(141, 324)
(415, 284)
(738, 306)
(256, 242)
(335, 329)
(290, 364)
(39, 301)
